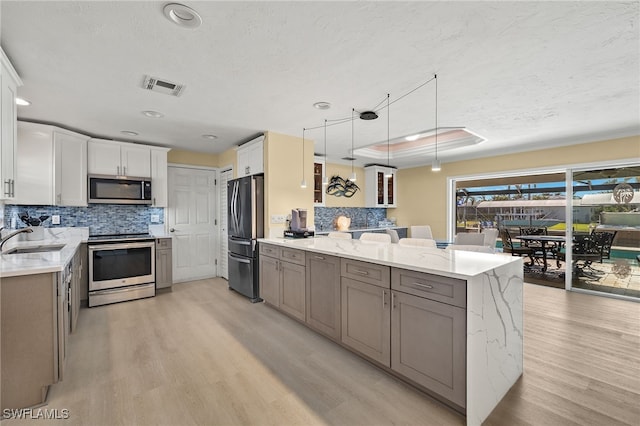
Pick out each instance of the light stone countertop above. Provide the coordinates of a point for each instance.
(12, 265)
(455, 263)
(378, 228)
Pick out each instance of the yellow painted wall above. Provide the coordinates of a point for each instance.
(193, 158)
(283, 174)
(229, 158)
(344, 171)
(422, 194)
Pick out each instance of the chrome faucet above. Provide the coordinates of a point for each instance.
(13, 234)
(374, 219)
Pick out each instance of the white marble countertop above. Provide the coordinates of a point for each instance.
(454, 263)
(375, 228)
(12, 265)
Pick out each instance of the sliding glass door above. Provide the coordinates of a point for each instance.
(605, 248)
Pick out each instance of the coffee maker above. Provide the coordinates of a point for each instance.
(298, 225)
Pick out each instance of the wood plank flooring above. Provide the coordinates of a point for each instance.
(205, 355)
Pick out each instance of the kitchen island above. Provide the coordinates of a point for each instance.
(448, 322)
(357, 232)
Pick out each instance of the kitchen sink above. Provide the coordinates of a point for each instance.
(35, 249)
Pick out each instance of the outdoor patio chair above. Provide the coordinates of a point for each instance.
(604, 239)
(585, 250)
(509, 247)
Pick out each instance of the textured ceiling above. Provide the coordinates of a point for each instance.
(524, 75)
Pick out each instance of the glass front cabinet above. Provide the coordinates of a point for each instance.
(318, 188)
(380, 185)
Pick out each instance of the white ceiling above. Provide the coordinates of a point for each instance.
(524, 75)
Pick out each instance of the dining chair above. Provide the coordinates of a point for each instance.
(394, 235)
(585, 250)
(469, 239)
(375, 237)
(417, 242)
(604, 239)
(509, 247)
(340, 235)
(490, 237)
(421, 231)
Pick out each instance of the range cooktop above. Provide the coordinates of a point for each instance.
(120, 237)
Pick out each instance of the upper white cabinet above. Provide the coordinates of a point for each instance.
(318, 188)
(251, 157)
(51, 166)
(118, 158)
(380, 185)
(9, 83)
(159, 177)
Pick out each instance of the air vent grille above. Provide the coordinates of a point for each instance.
(167, 87)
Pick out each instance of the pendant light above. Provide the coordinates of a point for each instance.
(388, 173)
(352, 178)
(303, 183)
(435, 166)
(325, 180)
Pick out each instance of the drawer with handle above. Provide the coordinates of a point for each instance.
(366, 272)
(442, 289)
(292, 255)
(269, 250)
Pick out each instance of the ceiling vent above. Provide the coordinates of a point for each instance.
(162, 86)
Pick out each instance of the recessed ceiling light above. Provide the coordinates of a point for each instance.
(322, 105)
(413, 137)
(210, 136)
(182, 15)
(129, 132)
(153, 114)
(22, 102)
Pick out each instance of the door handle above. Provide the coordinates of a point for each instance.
(172, 230)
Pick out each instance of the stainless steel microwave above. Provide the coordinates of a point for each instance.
(106, 189)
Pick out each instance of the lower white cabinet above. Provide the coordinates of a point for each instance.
(51, 166)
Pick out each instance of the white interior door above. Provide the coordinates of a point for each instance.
(191, 221)
(225, 176)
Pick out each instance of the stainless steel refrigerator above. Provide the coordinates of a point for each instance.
(246, 223)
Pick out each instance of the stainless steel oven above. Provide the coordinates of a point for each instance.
(121, 270)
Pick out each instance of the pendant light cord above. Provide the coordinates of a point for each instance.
(325, 140)
(436, 79)
(353, 110)
(303, 130)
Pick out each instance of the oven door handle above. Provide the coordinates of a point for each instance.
(99, 247)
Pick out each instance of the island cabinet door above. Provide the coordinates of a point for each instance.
(366, 319)
(323, 294)
(292, 289)
(270, 280)
(428, 345)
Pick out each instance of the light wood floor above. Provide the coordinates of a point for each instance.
(204, 355)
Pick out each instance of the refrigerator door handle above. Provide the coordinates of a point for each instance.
(240, 241)
(239, 259)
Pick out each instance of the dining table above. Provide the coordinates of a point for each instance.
(549, 245)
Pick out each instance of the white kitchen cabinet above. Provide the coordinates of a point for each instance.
(159, 173)
(51, 166)
(380, 183)
(251, 157)
(107, 157)
(9, 83)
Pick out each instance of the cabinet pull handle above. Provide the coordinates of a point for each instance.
(59, 199)
(393, 300)
(384, 299)
(13, 187)
(118, 170)
(154, 201)
(7, 185)
(423, 285)
(319, 257)
(124, 170)
(357, 271)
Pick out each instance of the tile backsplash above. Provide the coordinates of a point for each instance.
(99, 218)
(325, 216)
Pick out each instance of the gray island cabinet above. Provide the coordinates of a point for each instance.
(449, 323)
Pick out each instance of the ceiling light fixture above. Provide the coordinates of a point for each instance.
(152, 114)
(210, 137)
(322, 105)
(435, 166)
(413, 137)
(325, 179)
(22, 102)
(388, 173)
(129, 132)
(303, 183)
(353, 176)
(182, 15)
